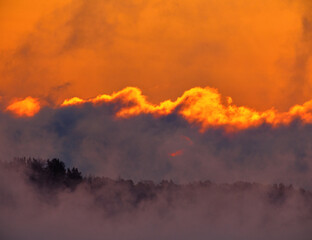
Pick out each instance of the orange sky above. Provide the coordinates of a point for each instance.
(257, 52)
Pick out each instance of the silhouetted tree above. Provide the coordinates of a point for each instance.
(36, 165)
(56, 172)
(277, 195)
(73, 178)
(50, 177)
(74, 174)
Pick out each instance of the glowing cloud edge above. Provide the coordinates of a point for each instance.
(202, 106)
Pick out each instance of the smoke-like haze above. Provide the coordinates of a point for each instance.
(106, 209)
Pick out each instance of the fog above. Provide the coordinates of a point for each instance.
(118, 209)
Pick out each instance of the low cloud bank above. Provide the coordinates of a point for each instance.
(144, 147)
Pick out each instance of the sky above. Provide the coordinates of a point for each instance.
(257, 53)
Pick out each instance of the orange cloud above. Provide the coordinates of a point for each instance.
(202, 106)
(27, 107)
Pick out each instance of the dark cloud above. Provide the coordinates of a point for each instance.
(93, 139)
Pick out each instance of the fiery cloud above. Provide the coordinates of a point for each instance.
(199, 105)
(138, 143)
(27, 107)
(203, 106)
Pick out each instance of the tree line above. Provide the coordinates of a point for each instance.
(51, 176)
